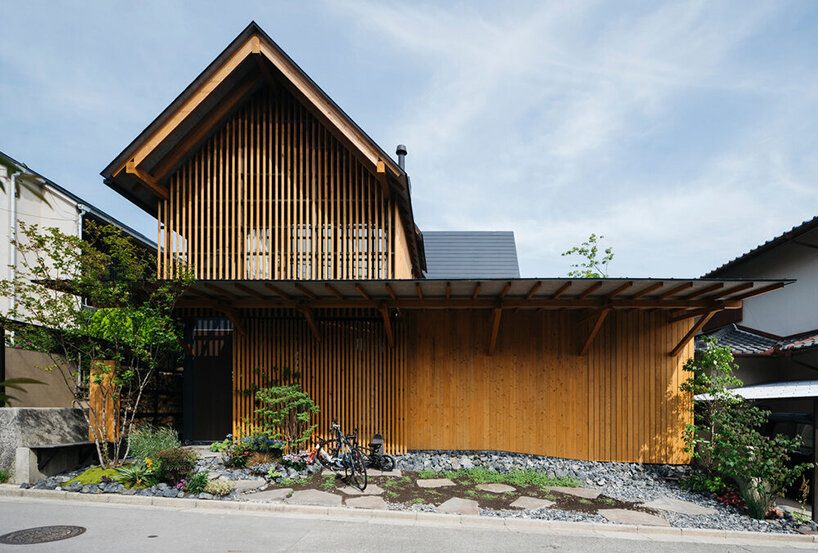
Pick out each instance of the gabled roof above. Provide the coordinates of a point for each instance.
(790, 235)
(748, 341)
(140, 172)
(451, 254)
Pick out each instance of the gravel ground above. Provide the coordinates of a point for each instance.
(624, 481)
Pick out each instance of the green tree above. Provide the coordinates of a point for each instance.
(96, 306)
(594, 264)
(724, 438)
(286, 413)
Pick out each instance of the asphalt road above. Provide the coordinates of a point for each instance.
(135, 529)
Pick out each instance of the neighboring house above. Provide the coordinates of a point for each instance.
(301, 233)
(31, 198)
(775, 338)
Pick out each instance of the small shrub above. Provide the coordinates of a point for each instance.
(236, 455)
(699, 482)
(732, 498)
(262, 444)
(137, 475)
(175, 464)
(219, 487)
(4, 477)
(257, 458)
(148, 440)
(296, 461)
(285, 413)
(272, 474)
(196, 483)
(218, 447)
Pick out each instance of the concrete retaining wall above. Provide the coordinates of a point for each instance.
(21, 363)
(27, 426)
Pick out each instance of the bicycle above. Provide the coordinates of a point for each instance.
(341, 451)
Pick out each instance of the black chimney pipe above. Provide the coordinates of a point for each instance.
(401, 151)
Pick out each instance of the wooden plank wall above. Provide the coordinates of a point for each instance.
(620, 402)
(272, 194)
(352, 373)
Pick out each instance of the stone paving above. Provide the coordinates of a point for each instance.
(526, 502)
(459, 506)
(495, 488)
(366, 502)
(435, 483)
(679, 506)
(371, 489)
(626, 516)
(587, 493)
(276, 494)
(314, 497)
(243, 486)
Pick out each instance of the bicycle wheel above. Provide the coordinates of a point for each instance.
(387, 463)
(357, 463)
(328, 447)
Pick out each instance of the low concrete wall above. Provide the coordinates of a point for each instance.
(21, 363)
(26, 426)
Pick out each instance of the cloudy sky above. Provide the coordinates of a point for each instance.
(685, 132)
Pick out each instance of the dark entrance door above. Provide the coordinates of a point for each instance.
(212, 385)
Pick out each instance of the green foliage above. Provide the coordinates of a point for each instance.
(4, 476)
(218, 447)
(286, 413)
(17, 384)
(522, 478)
(416, 500)
(724, 439)
(147, 440)
(272, 473)
(219, 487)
(195, 483)
(137, 475)
(94, 475)
(94, 300)
(329, 482)
(427, 474)
(593, 264)
(175, 464)
(237, 455)
(703, 482)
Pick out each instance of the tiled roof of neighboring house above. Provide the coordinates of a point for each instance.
(794, 232)
(774, 390)
(747, 341)
(491, 254)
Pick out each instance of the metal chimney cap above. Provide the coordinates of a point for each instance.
(401, 150)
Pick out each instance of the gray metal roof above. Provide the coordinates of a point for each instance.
(748, 341)
(470, 254)
(774, 390)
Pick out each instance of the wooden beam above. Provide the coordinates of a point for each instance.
(763, 290)
(594, 330)
(590, 290)
(311, 323)
(506, 288)
(277, 291)
(729, 291)
(561, 290)
(645, 291)
(468, 303)
(688, 314)
(147, 180)
(362, 291)
(476, 291)
(185, 346)
(387, 325)
(619, 290)
(391, 291)
(248, 290)
(219, 290)
(675, 290)
(419, 291)
(333, 291)
(448, 290)
(495, 329)
(703, 291)
(533, 290)
(691, 333)
(203, 127)
(304, 290)
(234, 318)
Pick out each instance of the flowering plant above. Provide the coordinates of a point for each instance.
(195, 483)
(296, 461)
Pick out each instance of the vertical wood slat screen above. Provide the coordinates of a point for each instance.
(273, 195)
(352, 373)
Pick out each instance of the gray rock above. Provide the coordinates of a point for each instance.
(459, 506)
(206, 496)
(170, 492)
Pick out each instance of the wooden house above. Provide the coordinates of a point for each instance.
(301, 233)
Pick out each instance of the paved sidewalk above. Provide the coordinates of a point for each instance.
(137, 529)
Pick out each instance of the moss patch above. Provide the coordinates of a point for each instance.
(93, 476)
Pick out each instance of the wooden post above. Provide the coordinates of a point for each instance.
(188, 386)
(103, 404)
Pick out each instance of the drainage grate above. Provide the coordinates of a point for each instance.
(41, 534)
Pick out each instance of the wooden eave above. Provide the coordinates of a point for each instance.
(250, 60)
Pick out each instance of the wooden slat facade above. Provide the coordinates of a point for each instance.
(273, 194)
(438, 388)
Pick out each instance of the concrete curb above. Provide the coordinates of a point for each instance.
(426, 519)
